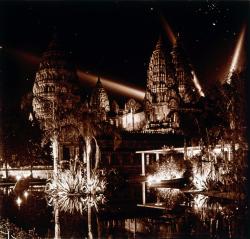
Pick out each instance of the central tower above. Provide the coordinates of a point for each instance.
(161, 98)
(99, 101)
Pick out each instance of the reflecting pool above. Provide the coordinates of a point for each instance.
(133, 211)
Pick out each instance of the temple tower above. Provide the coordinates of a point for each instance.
(183, 74)
(99, 101)
(161, 98)
(54, 99)
(54, 86)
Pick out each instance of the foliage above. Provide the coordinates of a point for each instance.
(171, 196)
(70, 191)
(216, 172)
(15, 232)
(235, 176)
(167, 170)
(212, 185)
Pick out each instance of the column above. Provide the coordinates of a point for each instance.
(90, 235)
(147, 159)
(157, 157)
(55, 148)
(109, 159)
(142, 164)
(143, 193)
(57, 223)
(60, 153)
(72, 152)
(229, 152)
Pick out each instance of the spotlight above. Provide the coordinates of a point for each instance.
(237, 52)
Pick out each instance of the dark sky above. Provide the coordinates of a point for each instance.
(116, 39)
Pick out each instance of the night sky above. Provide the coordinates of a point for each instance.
(115, 39)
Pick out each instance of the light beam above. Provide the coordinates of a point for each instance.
(168, 30)
(237, 54)
(172, 38)
(25, 56)
(197, 84)
(112, 85)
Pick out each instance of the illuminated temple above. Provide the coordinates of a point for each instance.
(170, 93)
(170, 96)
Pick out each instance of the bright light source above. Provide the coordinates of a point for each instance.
(19, 201)
(27, 175)
(154, 179)
(25, 194)
(18, 177)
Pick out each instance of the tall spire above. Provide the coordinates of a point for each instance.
(159, 43)
(161, 96)
(55, 82)
(98, 80)
(158, 77)
(99, 98)
(183, 72)
(177, 42)
(54, 42)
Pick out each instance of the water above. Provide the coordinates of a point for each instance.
(174, 215)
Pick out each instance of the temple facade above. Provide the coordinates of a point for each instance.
(170, 93)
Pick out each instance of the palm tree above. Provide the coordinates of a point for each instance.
(88, 132)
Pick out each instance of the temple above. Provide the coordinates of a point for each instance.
(170, 96)
(170, 93)
(99, 102)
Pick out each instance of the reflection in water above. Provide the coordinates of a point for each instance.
(167, 198)
(90, 235)
(171, 196)
(70, 191)
(221, 218)
(57, 223)
(200, 217)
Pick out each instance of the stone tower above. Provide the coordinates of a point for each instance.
(54, 86)
(161, 98)
(183, 74)
(99, 101)
(54, 99)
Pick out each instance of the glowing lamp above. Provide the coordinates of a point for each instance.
(154, 179)
(25, 194)
(19, 201)
(18, 177)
